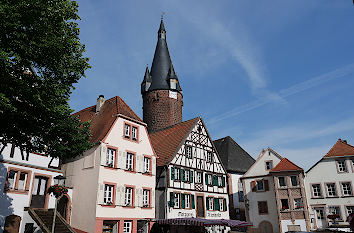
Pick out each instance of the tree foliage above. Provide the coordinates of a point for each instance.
(41, 58)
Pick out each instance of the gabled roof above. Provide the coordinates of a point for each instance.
(341, 148)
(286, 165)
(168, 140)
(102, 121)
(232, 155)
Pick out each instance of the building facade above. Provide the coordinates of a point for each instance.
(24, 180)
(236, 161)
(329, 187)
(275, 194)
(114, 181)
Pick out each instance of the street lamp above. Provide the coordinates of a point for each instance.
(59, 181)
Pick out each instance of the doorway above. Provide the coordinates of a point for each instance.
(320, 218)
(200, 206)
(63, 207)
(265, 227)
(39, 192)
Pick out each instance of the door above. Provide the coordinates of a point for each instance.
(320, 218)
(265, 227)
(39, 192)
(200, 206)
(63, 207)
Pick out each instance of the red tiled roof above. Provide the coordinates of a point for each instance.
(341, 148)
(102, 122)
(167, 141)
(286, 165)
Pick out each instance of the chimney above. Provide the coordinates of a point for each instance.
(100, 102)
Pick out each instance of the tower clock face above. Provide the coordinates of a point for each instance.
(172, 94)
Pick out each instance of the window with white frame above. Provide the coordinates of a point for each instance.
(177, 173)
(298, 203)
(11, 179)
(128, 196)
(334, 210)
(146, 165)
(221, 204)
(294, 180)
(350, 210)
(127, 131)
(282, 182)
(210, 179)
(108, 194)
(260, 185)
(269, 165)
(316, 190)
(189, 153)
(341, 166)
(146, 198)
(198, 178)
(186, 175)
(177, 200)
(22, 179)
(209, 157)
(127, 227)
(331, 190)
(134, 133)
(130, 160)
(211, 203)
(347, 188)
(220, 181)
(187, 201)
(111, 154)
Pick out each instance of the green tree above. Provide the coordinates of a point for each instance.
(41, 58)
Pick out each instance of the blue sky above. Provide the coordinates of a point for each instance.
(267, 73)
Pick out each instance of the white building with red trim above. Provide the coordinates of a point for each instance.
(24, 180)
(114, 181)
(275, 195)
(329, 187)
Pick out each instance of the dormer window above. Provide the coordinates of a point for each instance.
(269, 165)
(173, 84)
(189, 153)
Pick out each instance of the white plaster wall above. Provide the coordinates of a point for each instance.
(28, 219)
(189, 213)
(268, 196)
(326, 172)
(258, 168)
(284, 224)
(235, 189)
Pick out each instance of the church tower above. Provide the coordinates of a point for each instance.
(160, 89)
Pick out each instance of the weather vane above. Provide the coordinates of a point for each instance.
(162, 14)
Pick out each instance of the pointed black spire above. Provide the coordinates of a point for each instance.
(162, 69)
(147, 77)
(147, 80)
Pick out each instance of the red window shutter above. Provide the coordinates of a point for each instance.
(253, 185)
(266, 185)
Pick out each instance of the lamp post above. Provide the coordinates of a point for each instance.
(59, 180)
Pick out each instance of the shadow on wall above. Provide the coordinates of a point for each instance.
(5, 201)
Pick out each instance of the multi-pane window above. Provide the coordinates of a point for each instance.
(347, 189)
(177, 200)
(130, 160)
(334, 210)
(22, 179)
(350, 210)
(298, 203)
(294, 180)
(284, 204)
(187, 201)
(146, 197)
(189, 153)
(134, 133)
(186, 175)
(177, 173)
(210, 179)
(210, 201)
(282, 182)
(127, 131)
(221, 204)
(127, 227)
(331, 190)
(262, 207)
(11, 179)
(128, 196)
(146, 164)
(111, 154)
(316, 190)
(260, 185)
(341, 166)
(220, 181)
(198, 178)
(108, 194)
(209, 156)
(269, 165)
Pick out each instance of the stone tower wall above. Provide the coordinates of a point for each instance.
(161, 111)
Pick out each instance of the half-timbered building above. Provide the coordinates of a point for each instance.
(191, 180)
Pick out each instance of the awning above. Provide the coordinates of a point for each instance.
(203, 222)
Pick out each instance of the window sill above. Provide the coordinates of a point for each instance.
(25, 192)
(131, 171)
(147, 173)
(147, 208)
(347, 196)
(285, 211)
(108, 206)
(109, 167)
(332, 197)
(317, 197)
(129, 207)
